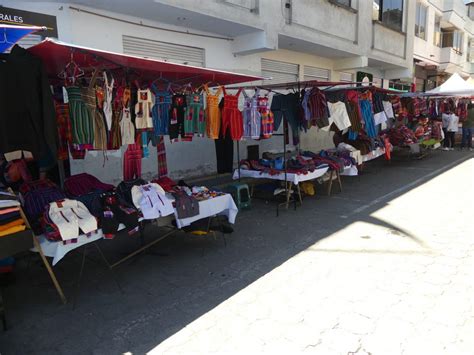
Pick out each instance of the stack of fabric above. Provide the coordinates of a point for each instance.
(10, 217)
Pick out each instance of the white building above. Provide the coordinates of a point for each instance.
(284, 39)
(444, 41)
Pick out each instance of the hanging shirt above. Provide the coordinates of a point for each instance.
(338, 115)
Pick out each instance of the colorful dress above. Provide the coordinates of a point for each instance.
(81, 117)
(252, 118)
(266, 117)
(213, 114)
(161, 111)
(195, 122)
(231, 116)
(143, 107)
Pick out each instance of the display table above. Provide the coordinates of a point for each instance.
(290, 179)
(223, 205)
(295, 179)
(373, 154)
(350, 171)
(220, 205)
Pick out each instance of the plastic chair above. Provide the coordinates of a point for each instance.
(241, 195)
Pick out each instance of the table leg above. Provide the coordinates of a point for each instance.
(50, 270)
(330, 182)
(288, 193)
(339, 180)
(108, 266)
(78, 282)
(299, 194)
(144, 247)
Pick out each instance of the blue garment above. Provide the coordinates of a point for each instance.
(467, 133)
(368, 116)
(161, 111)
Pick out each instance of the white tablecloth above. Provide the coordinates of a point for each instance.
(350, 171)
(220, 205)
(373, 154)
(294, 178)
(223, 205)
(57, 250)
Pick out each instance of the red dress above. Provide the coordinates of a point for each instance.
(231, 116)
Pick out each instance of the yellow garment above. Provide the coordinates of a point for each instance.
(308, 188)
(14, 223)
(213, 114)
(12, 230)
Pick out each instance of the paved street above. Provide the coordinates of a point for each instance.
(385, 267)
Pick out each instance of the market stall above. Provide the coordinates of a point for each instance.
(104, 101)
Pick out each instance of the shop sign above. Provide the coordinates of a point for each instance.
(27, 18)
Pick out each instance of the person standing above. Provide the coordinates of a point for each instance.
(468, 128)
(450, 127)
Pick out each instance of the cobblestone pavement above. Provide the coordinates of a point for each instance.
(405, 287)
(385, 267)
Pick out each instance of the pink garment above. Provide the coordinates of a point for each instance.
(9, 210)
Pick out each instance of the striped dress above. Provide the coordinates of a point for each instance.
(251, 116)
(99, 128)
(81, 117)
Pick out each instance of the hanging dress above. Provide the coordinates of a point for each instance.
(231, 116)
(176, 126)
(81, 118)
(100, 127)
(213, 114)
(252, 118)
(127, 128)
(108, 96)
(266, 116)
(195, 122)
(161, 110)
(144, 118)
(115, 135)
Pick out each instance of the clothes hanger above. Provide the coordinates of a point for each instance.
(72, 69)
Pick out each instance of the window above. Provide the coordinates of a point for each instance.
(452, 38)
(343, 2)
(437, 31)
(313, 73)
(420, 20)
(389, 12)
(470, 11)
(279, 72)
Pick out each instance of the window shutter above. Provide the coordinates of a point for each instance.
(314, 73)
(170, 52)
(280, 72)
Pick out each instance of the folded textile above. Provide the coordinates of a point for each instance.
(14, 223)
(9, 203)
(9, 216)
(8, 210)
(12, 230)
(84, 183)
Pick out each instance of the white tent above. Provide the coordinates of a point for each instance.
(454, 86)
(470, 81)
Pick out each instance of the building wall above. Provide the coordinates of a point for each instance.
(452, 12)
